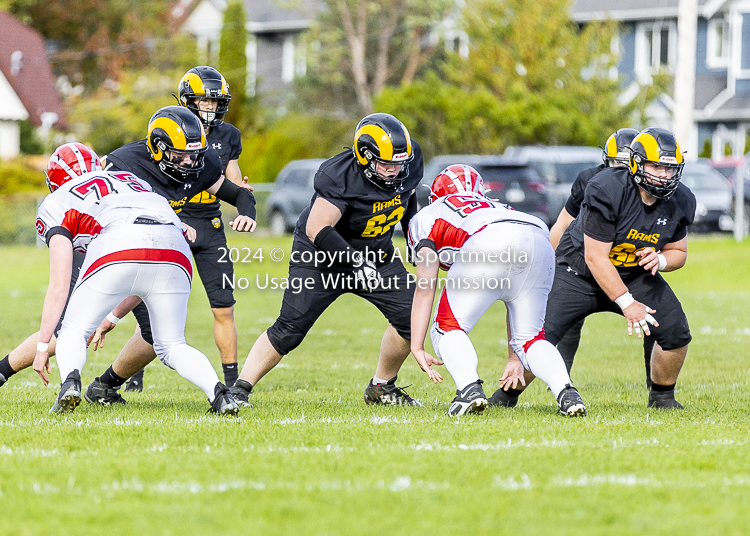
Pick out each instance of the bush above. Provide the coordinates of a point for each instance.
(19, 176)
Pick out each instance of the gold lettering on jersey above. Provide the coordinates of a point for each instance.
(625, 254)
(203, 197)
(382, 205)
(179, 203)
(634, 234)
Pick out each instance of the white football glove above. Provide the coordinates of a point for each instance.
(368, 275)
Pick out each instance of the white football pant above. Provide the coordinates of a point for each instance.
(150, 261)
(492, 260)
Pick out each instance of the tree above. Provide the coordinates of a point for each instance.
(364, 45)
(232, 59)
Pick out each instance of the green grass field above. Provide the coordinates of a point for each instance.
(312, 458)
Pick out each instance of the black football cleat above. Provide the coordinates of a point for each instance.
(103, 394)
(663, 400)
(470, 399)
(570, 402)
(388, 394)
(224, 403)
(70, 394)
(135, 383)
(503, 399)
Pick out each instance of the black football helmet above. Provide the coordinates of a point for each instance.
(383, 138)
(177, 143)
(660, 147)
(205, 83)
(617, 148)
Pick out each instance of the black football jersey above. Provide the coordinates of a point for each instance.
(136, 158)
(613, 211)
(369, 213)
(573, 204)
(226, 140)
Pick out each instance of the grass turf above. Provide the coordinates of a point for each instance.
(312, 458)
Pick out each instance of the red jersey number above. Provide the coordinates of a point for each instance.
(99, 186)
(466, 204)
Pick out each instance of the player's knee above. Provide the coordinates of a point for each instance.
(223, 314)
(284, 339)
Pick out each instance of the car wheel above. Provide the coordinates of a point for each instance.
(277, 223)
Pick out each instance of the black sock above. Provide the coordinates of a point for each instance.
(138, 376)
(245, 386)
(5, 368)
(230, 373)
(662, 388)
(513, 393)
(112, 379)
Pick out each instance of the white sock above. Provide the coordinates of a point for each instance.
(456, 351)
(70, 352)
(378, 381)
(546, 363)
(195, 367)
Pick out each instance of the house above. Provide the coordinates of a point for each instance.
(27, 85)
(274, 52)
(706, 47)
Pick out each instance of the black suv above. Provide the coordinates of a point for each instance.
(507, 180)
(292, 192)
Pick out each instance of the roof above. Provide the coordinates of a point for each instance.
(23, 61)
(262, 16)
(588, 10)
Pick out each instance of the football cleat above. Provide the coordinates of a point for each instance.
(135, 383)
(224, 403)
(570, 402)
(103, 394)
(469, 400)
(387, 394)
(663, 400)
(70, 394)
(3, 379)
(241, 393)
(502, 398)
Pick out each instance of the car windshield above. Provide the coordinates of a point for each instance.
(567, 172)
(503, 173)
(703, 181)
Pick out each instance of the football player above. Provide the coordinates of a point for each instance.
(205, 92)
(492, 253)
(177, 162)
(135, 250)
(633, 225)
(616, 153)
(360, 196)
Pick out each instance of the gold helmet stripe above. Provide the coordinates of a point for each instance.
(408, 140)
(224, 86)
(382, 140)
(173, 130)
(195, 82)
(612, 146)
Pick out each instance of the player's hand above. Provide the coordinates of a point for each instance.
(649, 259)
(244, 184)
(189, 232)
(98, 336)
(639, 317)
(243, 224)
(42, 366)
(425, 362)
(512, 374)
(367, 274)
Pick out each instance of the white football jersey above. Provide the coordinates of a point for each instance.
(83, 207)
(450, 221)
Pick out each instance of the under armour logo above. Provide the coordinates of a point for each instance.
(216, 146)
(661, 221)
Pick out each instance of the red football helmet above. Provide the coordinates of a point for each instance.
(68, 162)
(457, 178)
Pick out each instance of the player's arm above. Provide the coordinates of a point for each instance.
(111, 320)
(428, 267)
(672, 257)
(597, 259)
(60, 271)
(557, 230)
(234, 174)
(242, 198)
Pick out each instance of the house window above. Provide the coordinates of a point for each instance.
(655, 47)
(717, 45)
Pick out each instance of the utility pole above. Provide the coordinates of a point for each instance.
(684, 80)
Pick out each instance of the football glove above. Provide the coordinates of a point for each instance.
(367, 274)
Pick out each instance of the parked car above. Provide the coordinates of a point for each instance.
(558, 165)
(713, 195)
(291, 194)
(509, 181)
